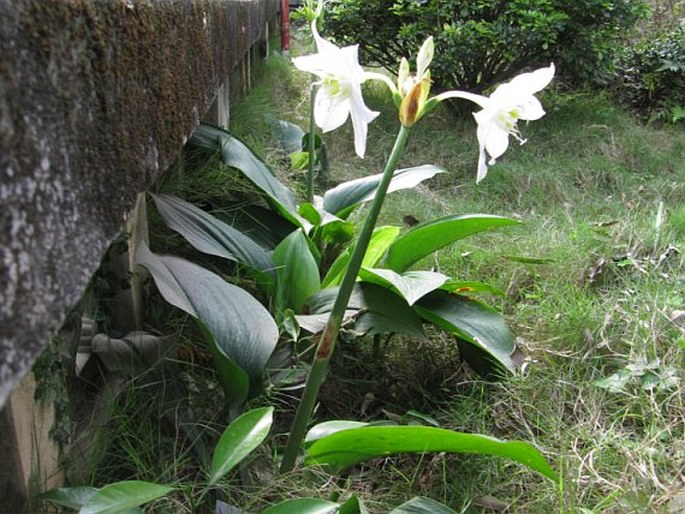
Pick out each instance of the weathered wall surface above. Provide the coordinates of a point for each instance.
(96, 97)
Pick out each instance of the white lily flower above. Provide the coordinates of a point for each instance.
(340, 94)
(501, 111)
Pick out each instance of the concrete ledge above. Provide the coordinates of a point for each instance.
(96, 97)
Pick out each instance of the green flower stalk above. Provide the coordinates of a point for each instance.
(312, 147)
(329, 336)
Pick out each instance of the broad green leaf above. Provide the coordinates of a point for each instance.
(242, 327)
(234, 380)
(381, 239)
(70, 497)
(299, 160)
(121, 496)
(297, 272)
(327, 227)
(265, 227)
(342, 199)
(327, 428)
(466, 287)
(314, 323)
(318, 142)
(473, 322)
(239, 439)
(411, 285)
(238, 155)
(210, 235)
(303, 506)
(378, 310)
(336, 232)
(288, 136)
(353, 505)
(426, 238)
(346, 448)
(420, 505)
(386, 313)
(312, 214)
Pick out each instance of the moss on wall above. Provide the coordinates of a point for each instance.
(96, 97)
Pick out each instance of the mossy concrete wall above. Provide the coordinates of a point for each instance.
(96, 98)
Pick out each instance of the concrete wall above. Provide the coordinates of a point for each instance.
(96, 98)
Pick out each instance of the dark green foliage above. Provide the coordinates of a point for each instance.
(651, 76)
(482, 42)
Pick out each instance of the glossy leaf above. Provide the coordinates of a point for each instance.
(426, 238)
(239, 439)
(420, 505)
(466, 287)
(288, 136)
(210, 235)
(70, 497)
(346, 448)
(472, 321)
(303, 506)
(299, 160)
(242, 327)
(121, 496)
(353, 505)
(328, 227)
(342, 199)
(234, 380)
(264, 226)
(381, 239)
(327, 428)
(411, 285)
(378, 310)
(297, 272)
(238, 155)
(387, 313)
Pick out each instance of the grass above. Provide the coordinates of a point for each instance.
(587, 186)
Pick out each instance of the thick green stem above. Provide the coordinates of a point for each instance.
(312, 146)
(329, 337)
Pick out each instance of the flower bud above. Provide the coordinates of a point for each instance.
(414, 101)
(425, 56)
(402, 76)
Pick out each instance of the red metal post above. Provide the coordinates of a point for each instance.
(285, 26)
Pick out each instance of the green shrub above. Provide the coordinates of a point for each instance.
(482, 42)
(651, 76)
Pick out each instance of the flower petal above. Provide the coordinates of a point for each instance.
(322, 45)
(496, 141)
(318, 64)
(531, 110)
(525, 84)
(482, 165)
(330, 112)
(361, 117)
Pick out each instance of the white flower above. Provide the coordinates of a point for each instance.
(339, 94)
(501, 111)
